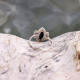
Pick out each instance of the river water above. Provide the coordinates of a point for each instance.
(22, 17)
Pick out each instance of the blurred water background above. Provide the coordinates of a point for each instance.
(22, 17)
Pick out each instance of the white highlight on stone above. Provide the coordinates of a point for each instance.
(7, 30)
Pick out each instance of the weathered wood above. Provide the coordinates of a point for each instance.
(18, 61)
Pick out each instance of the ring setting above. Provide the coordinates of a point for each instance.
(40, 35)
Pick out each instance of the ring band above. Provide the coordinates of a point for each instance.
(39, 47)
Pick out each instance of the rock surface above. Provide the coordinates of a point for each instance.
(18, 61)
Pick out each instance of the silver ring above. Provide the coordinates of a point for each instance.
(40, 35)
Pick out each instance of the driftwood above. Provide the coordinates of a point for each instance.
(18, 61)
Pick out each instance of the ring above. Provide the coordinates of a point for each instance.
(40, 35)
